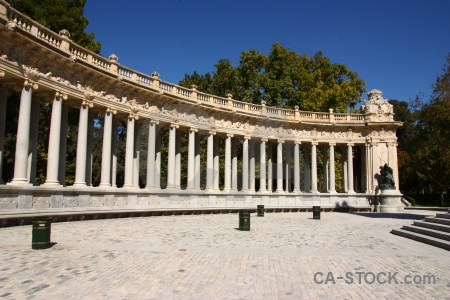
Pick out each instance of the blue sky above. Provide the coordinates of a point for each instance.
(397, 46)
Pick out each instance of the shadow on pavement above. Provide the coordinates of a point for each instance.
(391, 216)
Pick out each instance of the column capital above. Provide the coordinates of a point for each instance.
(174, 125)
(2, 73)
(280, 141)
(374, 143)
(212, 132)
(350, 144)
(298, 142)
(332, 144)
(264, 140)
(59, 94)
(392, 144)
(314, 143)
(247, 137)
(87, 102)
(156, 122)
(230, 135)
(30, 83)
(193, 129)
(111, 110)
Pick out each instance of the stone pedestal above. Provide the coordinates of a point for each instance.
(390, 201)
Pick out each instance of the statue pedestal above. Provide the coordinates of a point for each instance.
(390, 201)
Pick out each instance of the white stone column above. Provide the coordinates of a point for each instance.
(106, 149)
(270, 167)
(216, 164)
(115, 127)
(129, 153)
(34, 138)
(227, 171)
(210, 161)
(332, 170)
(245, 164)
(80, 168)
(344, 170)
(63, 146)
(262, 166)
(252, 166)
(375, 166)
(307, 169)
(350, 168)
(191, 160)
(297, 167)
(151, 146)
(171, 156)
(23, 137)
(90, 155)
(178, 160)
(234, 165)
(3, 101)
(393, 162)
(280, 166)
(54, 140)
(158, 161)
(287, 170)
(314, 167)
(197, 160)
(325, 183)
(137, 153)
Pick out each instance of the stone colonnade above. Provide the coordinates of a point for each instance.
(280, 160)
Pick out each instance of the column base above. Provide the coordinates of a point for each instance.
(52, 184)
(129, 186)
(23, 182)
(104, 185)
(79, 185)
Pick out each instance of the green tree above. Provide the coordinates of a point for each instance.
(60, 14)
(432, 137)
(283, 78)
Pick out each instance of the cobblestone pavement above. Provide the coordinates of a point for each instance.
(206, 257)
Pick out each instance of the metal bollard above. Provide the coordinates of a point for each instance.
(41, 233)
(244, 220)
(316, 212)
(260, 210)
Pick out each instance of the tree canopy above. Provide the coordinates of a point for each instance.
(283, 78)
(60, 14)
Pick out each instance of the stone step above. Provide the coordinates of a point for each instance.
(435, 226)
(427, 231)
(437, 220)
(443, 216)
(422, 238)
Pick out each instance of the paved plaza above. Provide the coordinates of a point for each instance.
(284, 256)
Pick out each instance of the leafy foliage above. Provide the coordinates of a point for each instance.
(283, 78)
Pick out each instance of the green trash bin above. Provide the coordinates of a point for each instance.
(41, 233)
(244, 220)
(260, 210)
(316, 212)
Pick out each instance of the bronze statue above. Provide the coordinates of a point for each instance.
(387, 178)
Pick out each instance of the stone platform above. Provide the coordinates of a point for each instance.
(205, 257)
